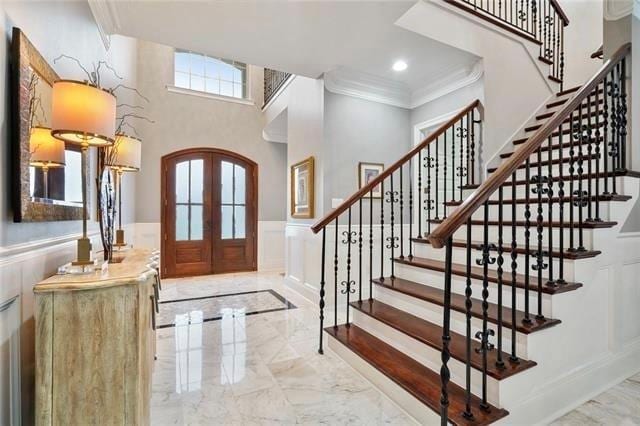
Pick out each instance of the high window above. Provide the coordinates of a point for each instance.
(203, 73)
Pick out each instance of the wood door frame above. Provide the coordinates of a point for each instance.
(163, 198)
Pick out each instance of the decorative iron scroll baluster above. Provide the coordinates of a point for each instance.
(605, 134)
(349, 239)
(580, 196)
(549, 176)
(322, 283)
(473, 147)
(587, 135)
(534, 16)
(429, 201)
(598, 136)
(371, 244)
(539, 189)
(572, 161)
(437, 179)
(445, 374)
(401, 216)
(462, 171)
(623, 114)
(411, 212)
(392, 244)
(335, 277)
(468, 304)
(420, 164)
(560, 279)
(514, 268)
(527, 235)
(484, 334)
(381, 236)
(444, 174)
(360, 251)
(613, 121)
(453, 165)
(499, 361)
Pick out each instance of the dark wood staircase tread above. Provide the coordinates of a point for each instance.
(431, 335)
(554, 147)
(565, 131)
(567, 91)
(585, 225)
(563, 101)
(554, 78)
(554, 200)
(570, 255)
(545, 163)
(470, 186)
(545, 60)
(421, 382)
(436, 296)
(586, 176)
(492, 275)
(567, 120)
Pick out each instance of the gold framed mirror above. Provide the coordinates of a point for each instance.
(47, 172)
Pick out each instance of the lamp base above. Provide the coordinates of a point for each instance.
(83, 256)
(119, 238)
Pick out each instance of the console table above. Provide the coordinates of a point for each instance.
(95, 344)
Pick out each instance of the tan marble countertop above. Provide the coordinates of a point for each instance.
(134, 267)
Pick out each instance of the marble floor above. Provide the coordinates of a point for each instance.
(243, 367)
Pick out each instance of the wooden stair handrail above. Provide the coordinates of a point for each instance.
(560, 12)
(317, 227)
(459, 216)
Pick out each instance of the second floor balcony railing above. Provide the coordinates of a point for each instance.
(273, 81)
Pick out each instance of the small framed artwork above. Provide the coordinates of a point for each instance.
(302, 187)
(368, 172)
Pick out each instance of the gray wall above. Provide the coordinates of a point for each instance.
(358, 130)
(185, 121)
(54, 28)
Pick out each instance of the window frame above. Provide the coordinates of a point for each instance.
(247, 99)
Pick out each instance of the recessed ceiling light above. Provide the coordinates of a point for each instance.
(399, 66)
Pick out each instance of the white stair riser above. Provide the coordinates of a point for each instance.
(460, 256)
(434, 313)
(426, 355)
(458, 285)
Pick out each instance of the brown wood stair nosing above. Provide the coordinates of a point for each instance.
(421, 382)
(565, 131)
(436, 296)
(568, 255)
(554, 78)
(584, 104)
(554, 147)
(546, 61)
(567, 120)
(586, 176)
(460, 269)
(545, 224)
(567, 91)
(545, 200)
(430, 334)
(545, 163)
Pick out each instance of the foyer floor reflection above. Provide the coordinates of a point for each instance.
(253, 368)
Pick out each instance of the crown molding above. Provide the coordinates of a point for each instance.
(455, 79)
(106, 17)
(617, 9)
(377, 89)
(369, 87)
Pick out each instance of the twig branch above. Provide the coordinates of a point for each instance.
(122, 86)
(71, 58)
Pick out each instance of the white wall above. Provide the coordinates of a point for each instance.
(30, 252)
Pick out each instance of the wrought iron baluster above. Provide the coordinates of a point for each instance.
(605, 134)
(534, 16)
(561, 47)
(444, 174)
(613, 121)
(473, 146)
(437, 180)
(572, 161)
(499, 361)
(539, 180)
(322, 283)
(360, 250)
(560, 279)
(371, 243)
(429, 204)
(348, 284)
(580, 195)
(484, 334)
(453, 164)
(381, 233)
(587, 134)
(468, 305)
(550, 201)
(445, 374)
(462, 172)
(335, 277)
(411, 212)
(514, 269)
(623, 114)
(527, 235)
(597, 141)
(392, 244)
(419, 194)
(401, 215)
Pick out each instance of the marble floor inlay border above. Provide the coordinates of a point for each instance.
(285, 305)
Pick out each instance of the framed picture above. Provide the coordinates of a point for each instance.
(302, 186)
(368, 172)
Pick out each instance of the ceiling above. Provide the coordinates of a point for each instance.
(302, 37)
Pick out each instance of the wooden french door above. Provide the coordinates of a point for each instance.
(209, 212)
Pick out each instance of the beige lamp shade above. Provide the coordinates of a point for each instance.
(125, 154)
(83, 114)
(46, 151)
